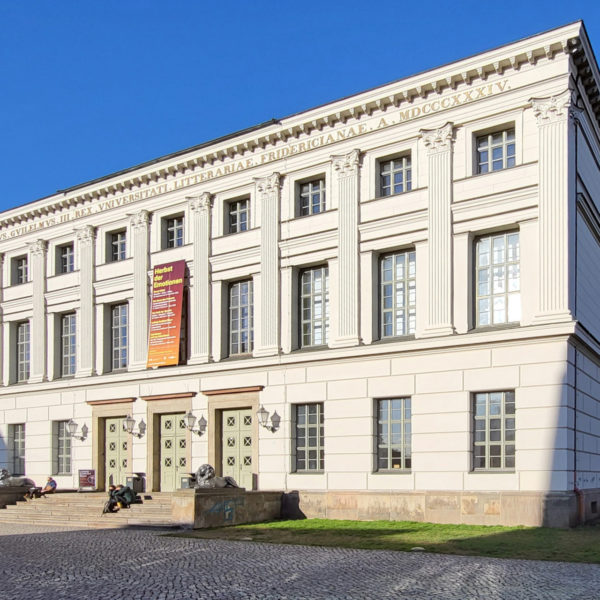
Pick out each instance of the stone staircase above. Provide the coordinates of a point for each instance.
(84, 510)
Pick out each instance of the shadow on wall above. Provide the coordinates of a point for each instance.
(290, 506)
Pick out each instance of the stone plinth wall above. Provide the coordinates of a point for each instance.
(550, 509)
(199, 509)
(12, 494)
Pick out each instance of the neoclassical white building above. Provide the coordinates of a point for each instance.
(405, 280)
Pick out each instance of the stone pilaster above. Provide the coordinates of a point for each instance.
(201, 293)
(38, 335)
(438, 143)
(555, 119)
(86, 326)
(267, 335)
(138, 333)
(1, 317)
(347, 329)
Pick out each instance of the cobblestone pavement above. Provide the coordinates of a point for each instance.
(54, 563)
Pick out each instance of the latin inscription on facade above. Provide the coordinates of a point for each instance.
(367, 126)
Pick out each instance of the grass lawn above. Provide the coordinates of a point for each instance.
(581, 544)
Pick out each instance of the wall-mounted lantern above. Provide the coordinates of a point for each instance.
(190, 420)
(263, 419)
(72, 430)
(129, 426)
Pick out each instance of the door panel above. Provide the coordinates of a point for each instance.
(116, 451)
(237, 446)
(173, 452)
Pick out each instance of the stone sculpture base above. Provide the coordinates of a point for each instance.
(204, 508)
(11, 494)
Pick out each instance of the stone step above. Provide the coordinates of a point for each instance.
(92, 516)
(84, 513)
(97, 523)
(110, 518)
(84, 510)
(76, 505)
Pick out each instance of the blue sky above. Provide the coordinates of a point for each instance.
(89, 88)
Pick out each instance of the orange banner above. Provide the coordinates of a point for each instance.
(165, 314)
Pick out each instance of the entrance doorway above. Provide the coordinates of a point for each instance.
(237, 446)
(116, 451)
(173, 461)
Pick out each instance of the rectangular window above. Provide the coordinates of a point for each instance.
(23, 351)
(119, 318)
(66, 259)
(394, 434)
(62, 448)
(67, 345)
(498, 285)
(174, 232)
(398, 294)
(496, 151)
(241, 318)
(494, 439)
(20, 272)
(314, 306)
(311, 197)
(117, 246)
(17, 432)
(395, 176)
(239, 215)
(309, 438)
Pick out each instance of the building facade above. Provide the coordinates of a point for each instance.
(403, 282)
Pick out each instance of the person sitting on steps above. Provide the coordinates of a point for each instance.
(125, 496)
(111, 503)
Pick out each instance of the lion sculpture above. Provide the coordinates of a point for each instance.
(6, 479)
(205, 478)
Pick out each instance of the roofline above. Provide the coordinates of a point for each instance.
(277, 121)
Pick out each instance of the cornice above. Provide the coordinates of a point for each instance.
(455, 76)
(245, 256)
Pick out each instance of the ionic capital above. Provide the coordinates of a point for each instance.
(552, 109)
(346, 164)
(268, 185)
(38, 248)
(140, 220)
(85, 235)
(438, 140)
(201, 203)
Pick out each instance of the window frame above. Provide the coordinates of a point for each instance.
(404, 169)
(65, 264)
(511, 119)
(68, 345)
(19, 270)
(231, 307)
(505, 144)
(320, 438)
(232, 229)
(61, 448)
(22, 351)
(174, 224)
(18, 447)
(118, 333)
(405, 406)
(324, 294)
(410, 309)
(478, 268)
(503, 416)
(321, 180)
(116, 246)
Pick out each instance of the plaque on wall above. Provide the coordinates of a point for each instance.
(87, 479)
